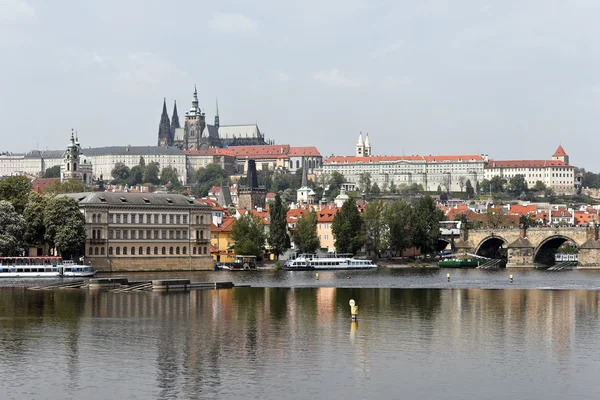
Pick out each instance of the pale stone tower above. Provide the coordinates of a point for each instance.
(76, 166)
(367, 150)
(360, 146)
(194, 125)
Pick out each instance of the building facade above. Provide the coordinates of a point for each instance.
(145, 231)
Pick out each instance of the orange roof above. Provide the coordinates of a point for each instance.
(374, 159)
(327, 214)
(40, 185)
(565, 213)
(518, 209)
(214, 151)
(294, 215)
(560, 152)
(525, 163)
(304, 151)
(225, 226)
(272, 151)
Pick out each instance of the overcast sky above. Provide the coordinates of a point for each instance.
(513, 79)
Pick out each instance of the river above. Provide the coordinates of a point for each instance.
(291, 337)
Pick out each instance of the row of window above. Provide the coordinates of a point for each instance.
(149, 234)
(140, 251)
(124, 218)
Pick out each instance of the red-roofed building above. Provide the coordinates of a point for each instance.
(324, 220)
(39, 185)
(281, 156)
(556, 173)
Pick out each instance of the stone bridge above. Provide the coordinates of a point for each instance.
(526, 246)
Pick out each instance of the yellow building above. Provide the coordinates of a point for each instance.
(221, 241)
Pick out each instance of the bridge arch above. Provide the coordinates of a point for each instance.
(442, 244)
(545, 251)
(491, 247)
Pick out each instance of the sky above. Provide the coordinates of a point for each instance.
(510, 79)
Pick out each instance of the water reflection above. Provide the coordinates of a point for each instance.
(299, 342)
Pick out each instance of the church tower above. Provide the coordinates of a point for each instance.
(174, 124)
(367, 150)
(561, 155)
(194, 126)
(360, 146)
(217, 121)
(164, 128)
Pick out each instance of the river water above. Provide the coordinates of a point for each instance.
(291, 337)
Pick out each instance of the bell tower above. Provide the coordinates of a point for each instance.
(194, 125)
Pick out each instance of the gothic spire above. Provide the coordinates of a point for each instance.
(164, 127)
(304, 173)
(217, 121)
(174, 123)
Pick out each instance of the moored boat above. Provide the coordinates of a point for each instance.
(41, 267)
(306, 262)
(72, 270)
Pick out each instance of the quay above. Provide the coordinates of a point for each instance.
(123, 285)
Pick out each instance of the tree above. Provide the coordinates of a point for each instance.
(34, 218)
(439, 189)
(392, 188)
(62, 213)
(52, 172)
(15, 190)
(539, 186)
(120, 173)
(306, 239)
(136, 176)
(364, 183)
(12, 229)
(376, 238)
(207, 177)
(375, 189)
(461, 182)
(70, 238)
(346, 228)
(426, 224)
(493, 218)
(151, 173)
(248, 235)
(279, 240)
(477, 187)
(398, 216)
(469, 189)
(336, 180)
(484, 187)
(518, 184)
(169, 175)
(444, 196)
(497, 184)
(447, 182)
(70, 186)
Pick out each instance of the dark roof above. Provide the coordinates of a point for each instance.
(135, 150)
(45, 154)
(135, 199)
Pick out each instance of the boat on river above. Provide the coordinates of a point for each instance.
(305, 262)
(42, 267)
(467, 260)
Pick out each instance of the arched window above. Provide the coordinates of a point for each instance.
(124, 251)
(99, 218)
(91, 251)
(93, 217)
(96, 251)
(102, 251)
(170, 250)
(148, 250)
(193, 251)
(132, 250)
(164, 250)
(118, 250)
(197, 220)
(74, 166)
(156, 250)
(93, 234)
(110, 251)
(202, 219)
(201, 234)
(68, 167)
(184, 250)
(291, 164)
(177, 250)
(141, 251)
(297, 163)
(204, 250)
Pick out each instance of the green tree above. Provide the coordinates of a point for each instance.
(248, 235)
(497, 184)
(207, 177)
(34, 218)
(70, 238)
(398, 216)
(477, 187)
(336, 180)
(15, 190)
(70, 186)
(346, 228)
(169, 175)
(364, 183)
(518, 184)
(539, 186)
(151, 173)
(469, 189)
(52, 172)
(392, 188)
(136, 176)
(12, 229)
(120, 173)
(461, 182)
(306, 239)
(426, 224)
(439, 189)
(279, 240)
(376, 238)
(62, 212)
(484, 187)
(375, 189)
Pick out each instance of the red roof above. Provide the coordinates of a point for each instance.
(327, 214)
(213, 151)
(374, 159)
(560, 152)
(272, 151)
(40, 185)
(225, 226)
(304, 151)
(526, 163)
(518, 209)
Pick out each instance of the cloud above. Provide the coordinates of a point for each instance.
(335, 77)
(281, 76)
(144, 70)
(234, 23)
(15, 11)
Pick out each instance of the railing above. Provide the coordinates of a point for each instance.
(198, 240)
(97, 241)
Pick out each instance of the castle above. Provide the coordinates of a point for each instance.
(196, 134)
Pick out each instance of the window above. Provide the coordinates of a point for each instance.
(125, 234)
(102, 251)
(96, 251)
(93, 234)
(164, 219)
(201, 234)
(178, 219)
(184, 250)
(110, 251)
(170, 250)
(148, 250)
(141, 218)
(184, 234)
(93, 218)
(132, 251)
(193, 250)
(177, 250)
(171, 219)
(156, 234)
(133, 218)
(178, 235)
(118, 250)
(112, 218)
(118, 234)
(185, 219)
(91, 251)
(197, 219)
(164, 233)
(156, 250)
(164, 250)
(133, 233)
(124, 251)
(148, 218)
(202, 219)
(148, 234)
(171, 234)
(141, 251)
(204, 250)
(141, 234)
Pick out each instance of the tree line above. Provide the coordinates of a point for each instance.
(29, 219)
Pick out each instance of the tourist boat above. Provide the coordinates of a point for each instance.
(467, 260)
(306, 262)
(241, 263)
(41, 267)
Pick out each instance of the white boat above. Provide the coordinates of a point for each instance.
(41, 267)
(329, 261)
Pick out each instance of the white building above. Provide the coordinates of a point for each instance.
(555, 173)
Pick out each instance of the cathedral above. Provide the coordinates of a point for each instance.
(196, 134)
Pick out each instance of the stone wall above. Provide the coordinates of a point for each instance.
(140, 263)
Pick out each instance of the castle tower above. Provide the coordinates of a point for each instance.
(76, 166)
(174, 124)
(561, 155)
(360, 146)
(217, 121)
(252, 196)
(367, 151)
(164, 128)
(194, 125)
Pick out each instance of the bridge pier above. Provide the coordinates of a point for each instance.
(520, 253)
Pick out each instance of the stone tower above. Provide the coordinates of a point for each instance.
(217, 121)
(360, 146)
(174, 124)
(194, 126)
(367, 149)
(561, 155)
(164, 128)
(75, 166)
(252, 196)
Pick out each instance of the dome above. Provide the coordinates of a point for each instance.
(84, 160)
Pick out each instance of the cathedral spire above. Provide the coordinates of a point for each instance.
(164, 128)
(217, 121)
(174, 124)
